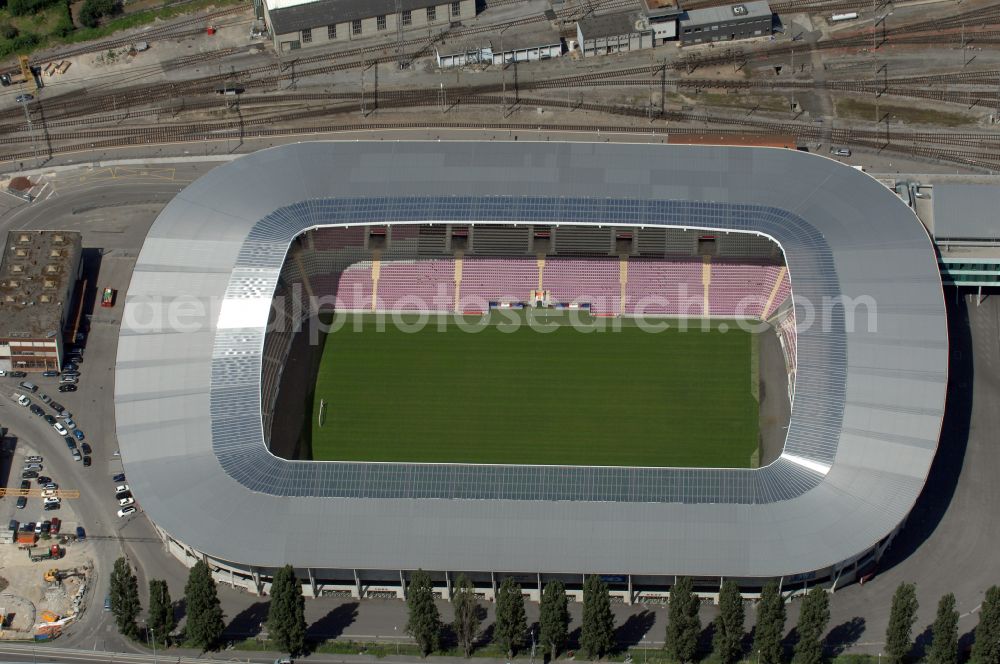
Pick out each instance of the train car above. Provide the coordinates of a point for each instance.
(849, 16)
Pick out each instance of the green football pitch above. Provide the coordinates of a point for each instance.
(509, 394)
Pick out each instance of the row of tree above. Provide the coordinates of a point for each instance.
(684, 623)
(287, 626)
(205, 623)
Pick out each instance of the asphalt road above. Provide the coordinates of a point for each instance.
(949, 543)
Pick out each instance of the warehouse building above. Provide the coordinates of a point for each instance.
(521, 46)
(298, 24)
(726, 23)
(38, 274)
(613, 33)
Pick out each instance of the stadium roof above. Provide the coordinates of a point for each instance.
(869, 394)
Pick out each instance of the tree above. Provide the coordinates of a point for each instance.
(986, 648)
(204, 612)
(770, 625)
(466, 622)
(813, 618)
(161, 612)
(597, 634)
(944, 633)
(125, 598)
(286, 620)
(902, 615)
(424, 622)
(553, 618)
(728, 640)
(684, 627)
(511, 623)
(93, 10)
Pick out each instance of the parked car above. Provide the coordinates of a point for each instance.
(13, 525)
(25, 485)
(28, 527)
(48, 507)
(32, 466)
(50, 373)
(56, 407)
(120, 477)
(48, 493)
(69, 423)
(841, 152)
(70, 443)
(78, 434)
(48, 418)
(124, 502)
(46, 527)
(81, 533)
(36, 409)
(43, 480)
(107, 602)
(23, 400)
(51, 486)
(22, 502)
(76, 455)
(60, 429)
(86, 461)
(122, 494)
(44, 398)
(29, 475)
(38, 528)
(56, 525)
(69, 366)
(67, 388)
(85, 448)
(122, 487)
(33, 458)
(17, 374)
(50, 500)
(125, 511)
(69, 380)
(71, 373)
(31, 387)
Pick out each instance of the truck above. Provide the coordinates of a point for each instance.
(26, 540)
(37, 553)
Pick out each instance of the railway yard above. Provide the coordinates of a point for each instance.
(916, 79)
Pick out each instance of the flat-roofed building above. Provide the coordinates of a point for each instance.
(298, 24)
(726, 23)
(613, 33)
(521, 46)
(38, 274)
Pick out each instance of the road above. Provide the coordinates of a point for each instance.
(949, 543)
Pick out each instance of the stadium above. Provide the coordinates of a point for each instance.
(537, 360)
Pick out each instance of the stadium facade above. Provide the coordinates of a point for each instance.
(871, 374)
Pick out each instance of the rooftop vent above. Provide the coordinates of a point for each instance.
(740, 10)
(21, 252)
(58, 238)
(55, 253)
(45, 298)
(16, 269)
(49, 283)
(51, 268)
(24, 237)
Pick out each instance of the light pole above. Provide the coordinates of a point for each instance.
(27, 118)
(503, 77)
(153, 632)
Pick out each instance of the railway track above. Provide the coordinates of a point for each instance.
(985, 157)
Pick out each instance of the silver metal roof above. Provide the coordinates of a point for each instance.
(869, 393)
(966, 211)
